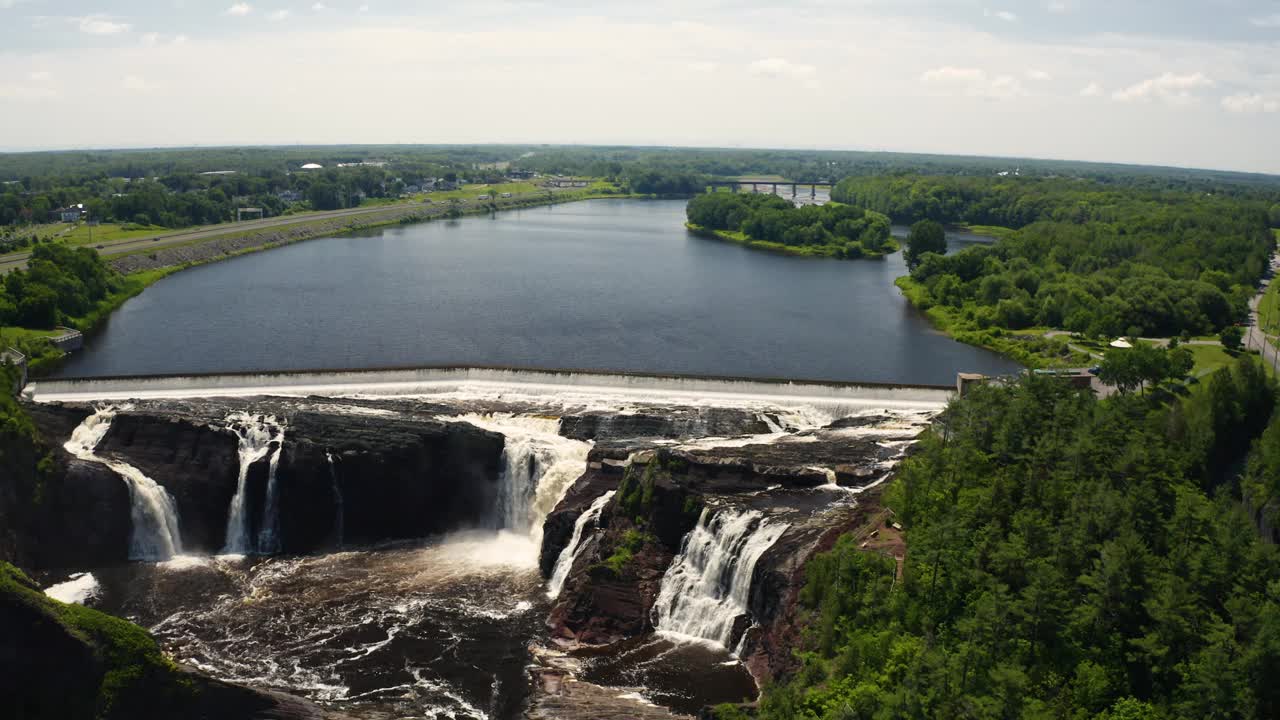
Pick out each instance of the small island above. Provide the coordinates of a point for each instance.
(770, 222)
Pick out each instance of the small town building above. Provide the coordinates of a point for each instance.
(70, 213)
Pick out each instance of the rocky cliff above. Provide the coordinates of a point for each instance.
(341, 478)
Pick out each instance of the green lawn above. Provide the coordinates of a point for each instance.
(1208, 358)
(85, 234)
(994, 231)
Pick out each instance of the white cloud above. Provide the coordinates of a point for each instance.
(1038, 75)
(180, 40)
(704, 67)
(27, 93)
(782, 68)
(1093, 89)
(150, 39)
(99, 24)
(319, 6)
(364, 7)
(6, 4)
(279, 15)
(1171, 88)
(40, 76)
(1004, 15)
(973, 82)
(135, 83)
(240, 9)
(1268, 21)
(1251, 103)
(1061, 6)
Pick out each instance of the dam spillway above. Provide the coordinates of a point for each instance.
(491, 381)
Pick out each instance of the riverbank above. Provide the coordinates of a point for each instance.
(1030, 348)
(826, 251)
(233, 243)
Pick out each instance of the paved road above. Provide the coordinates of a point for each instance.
(1254, 337)
(121, 247)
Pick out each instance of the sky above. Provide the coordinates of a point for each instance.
(1169, 82)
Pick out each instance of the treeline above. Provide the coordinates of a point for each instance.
(186, 199)
(1014, 202)
(1067, 558)
(850, 232)
(664, 182)
(828, 165)
(60, 283)
(1099, 262)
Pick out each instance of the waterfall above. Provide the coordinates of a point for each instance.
(255, 433)
(269, 528)
(708, 585)
(564, 563)
(539, 467)
(153, 513)
(340, 505)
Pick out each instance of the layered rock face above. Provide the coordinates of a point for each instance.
(338, 478)
(76, 512)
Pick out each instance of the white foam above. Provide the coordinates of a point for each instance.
(78, 590)
(589, 389)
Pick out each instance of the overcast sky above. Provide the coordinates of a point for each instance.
(1176, 82)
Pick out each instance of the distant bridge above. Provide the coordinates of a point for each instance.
(773, 185)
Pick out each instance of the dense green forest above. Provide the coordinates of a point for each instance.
(838, 230)
(1067, 558)
(59, 283)
(1093, 260)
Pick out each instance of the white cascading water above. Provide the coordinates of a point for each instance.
(269, 528)
(564, 563)
(154, 515)
(708, 585)
(340, 509)
(255, 433)
(539, 466)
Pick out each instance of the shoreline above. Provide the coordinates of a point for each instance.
(811, 251)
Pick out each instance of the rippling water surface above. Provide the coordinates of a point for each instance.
(603, 284)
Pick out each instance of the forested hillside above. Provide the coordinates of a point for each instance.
(1084, 258)
(1066, 558)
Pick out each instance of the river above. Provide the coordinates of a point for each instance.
(601, 284)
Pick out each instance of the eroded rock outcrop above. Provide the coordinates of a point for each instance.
(338, 477)
(615, 579)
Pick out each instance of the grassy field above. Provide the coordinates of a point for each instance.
(994, 231)
(85, 234)
(1208, 358)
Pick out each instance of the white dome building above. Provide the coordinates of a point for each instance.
(312, 166)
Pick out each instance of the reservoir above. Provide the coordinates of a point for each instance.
(603, 285)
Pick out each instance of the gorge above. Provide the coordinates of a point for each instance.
(463, 543)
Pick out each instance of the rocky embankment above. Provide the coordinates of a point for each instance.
(808, 482)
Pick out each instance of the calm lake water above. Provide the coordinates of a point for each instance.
(602, 284)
